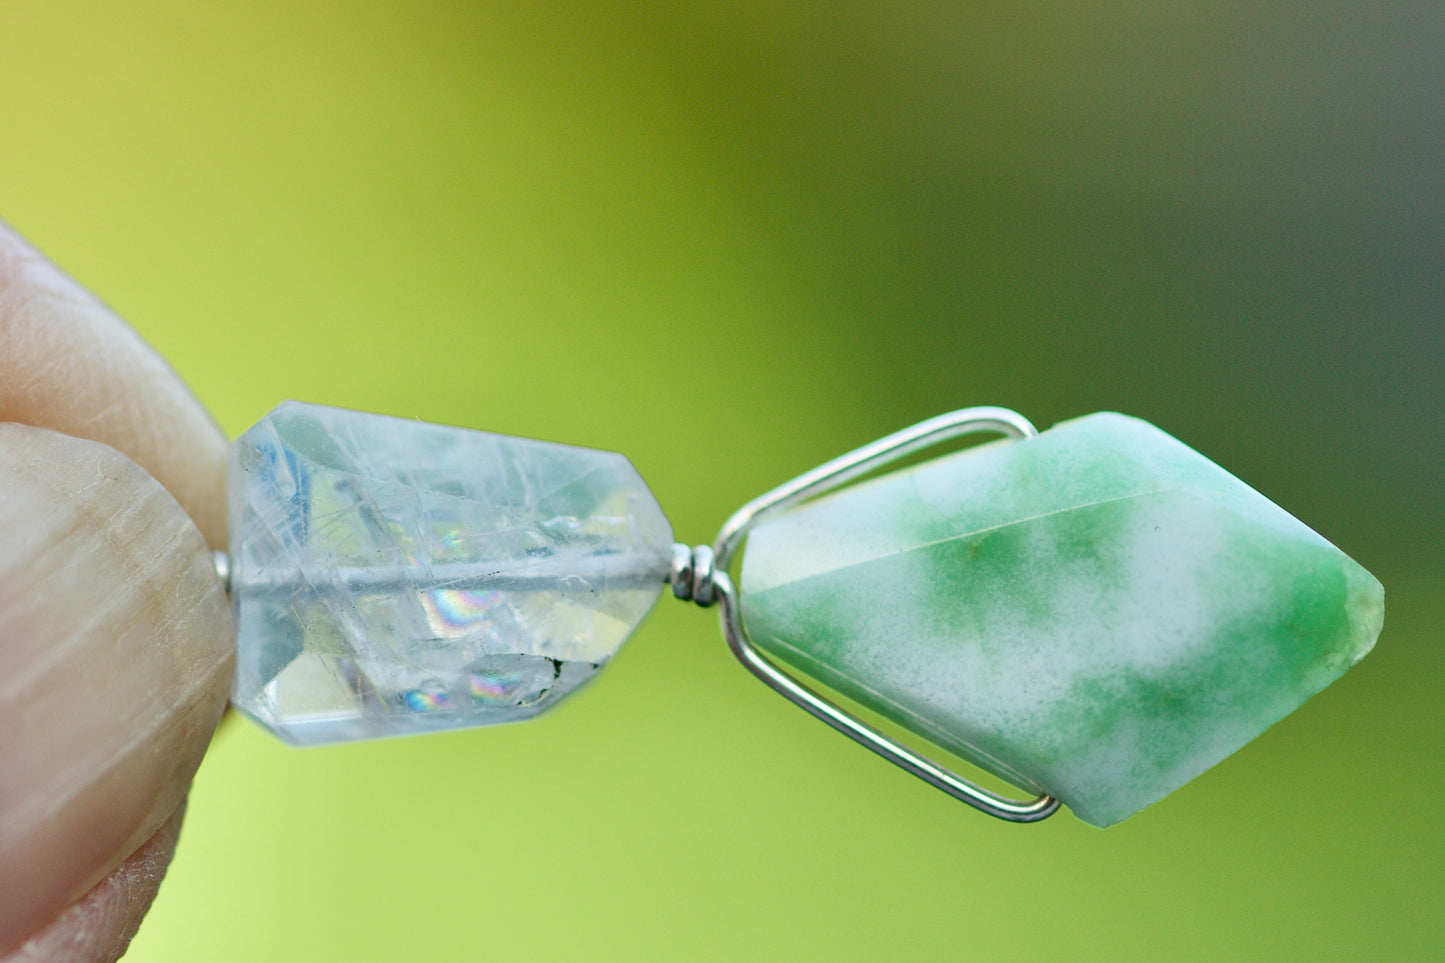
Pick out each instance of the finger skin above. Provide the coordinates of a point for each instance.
(115, 639)
(68, 363)
(115, 655)
(100, 926)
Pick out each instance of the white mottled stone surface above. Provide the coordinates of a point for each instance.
(1100, 612)
(392, 577)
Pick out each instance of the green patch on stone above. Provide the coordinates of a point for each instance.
(1099, 611)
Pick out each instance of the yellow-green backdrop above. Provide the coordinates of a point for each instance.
(732, 240)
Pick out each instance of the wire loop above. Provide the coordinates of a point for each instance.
(827, 477)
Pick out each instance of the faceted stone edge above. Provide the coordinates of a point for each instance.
(644, 501)
(343, 731)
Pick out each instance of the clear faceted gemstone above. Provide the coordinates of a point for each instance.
(1099, 612)
(393, 576)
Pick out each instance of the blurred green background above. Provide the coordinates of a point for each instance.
(732, 241)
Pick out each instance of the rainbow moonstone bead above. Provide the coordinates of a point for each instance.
(391, 577)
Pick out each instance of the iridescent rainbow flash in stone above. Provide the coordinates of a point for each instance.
(392, 577)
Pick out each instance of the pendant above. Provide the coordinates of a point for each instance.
(1095, 614)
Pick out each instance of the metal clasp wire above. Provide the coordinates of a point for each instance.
(826, 478)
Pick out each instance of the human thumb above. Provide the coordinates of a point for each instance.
(115, 647)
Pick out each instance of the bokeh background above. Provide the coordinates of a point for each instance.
(733, 240)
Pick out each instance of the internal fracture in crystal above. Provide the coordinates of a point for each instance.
(392, 577)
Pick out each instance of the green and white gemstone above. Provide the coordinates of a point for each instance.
(1100, 613)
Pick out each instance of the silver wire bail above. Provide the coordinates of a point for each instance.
(718, 586)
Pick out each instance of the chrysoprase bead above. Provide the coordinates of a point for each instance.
(392, 577)
(1100, 612)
